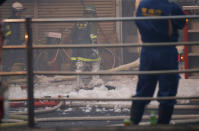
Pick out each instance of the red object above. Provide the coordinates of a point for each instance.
(45, 103)
(186, 39)
(17, 104)
(37, 104)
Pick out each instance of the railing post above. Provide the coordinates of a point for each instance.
(1, 43)
(28, 37)
(186, 39)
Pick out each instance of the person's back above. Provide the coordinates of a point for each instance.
(158, 57)
(14, 59)
(159, 30)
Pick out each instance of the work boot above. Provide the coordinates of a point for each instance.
(96, 81)
(165, 113)
(79, 83)
(137, 111)
(79, 68)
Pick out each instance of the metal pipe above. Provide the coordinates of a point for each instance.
(116, 73)
(186, 122)
(102, 45)
(13, 73)
(103, 118)
(30, 74)
(102, 19)
(13, 125)
(109, 99)
(102, 72)
(127, 105)
(186, 48)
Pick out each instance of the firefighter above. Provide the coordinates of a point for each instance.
(13, 59)
(3, 84)
(86, 33)
(158, 57)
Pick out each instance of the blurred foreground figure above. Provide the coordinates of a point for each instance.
(3, 84)
(14, 59)
(158, 57)
(86, 33)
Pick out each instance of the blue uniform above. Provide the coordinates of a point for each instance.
(158, 58)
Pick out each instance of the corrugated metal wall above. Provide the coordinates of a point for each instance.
(67, 9)
(61, 9)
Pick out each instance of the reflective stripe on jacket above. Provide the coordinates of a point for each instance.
(84, 59)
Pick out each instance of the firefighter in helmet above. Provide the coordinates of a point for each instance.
(86, 33)
(13, 59)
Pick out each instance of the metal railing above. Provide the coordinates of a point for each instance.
(101, 45)
(28, 22)
(101, 19)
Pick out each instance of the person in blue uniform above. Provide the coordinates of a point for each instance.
(157, 57)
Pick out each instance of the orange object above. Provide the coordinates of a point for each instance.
(127, 122)
(181, 58)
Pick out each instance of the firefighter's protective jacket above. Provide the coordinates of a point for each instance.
(12, 33)
(159, 30)
(84, 33)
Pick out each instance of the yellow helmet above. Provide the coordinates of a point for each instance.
(90, 11)
(90, 8)
(17, 6)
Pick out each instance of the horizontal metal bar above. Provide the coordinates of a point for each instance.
(112, 118)
(116, 73)
(102, 45)
(190, 7)
(14, 20)
(109, 99)
(14, 46)
(13, 73)
(102, 19)
(102, 72)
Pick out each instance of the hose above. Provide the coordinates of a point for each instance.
(108, 105)
(40, 111)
